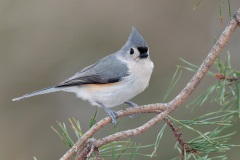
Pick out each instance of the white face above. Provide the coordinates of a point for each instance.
(137, 54)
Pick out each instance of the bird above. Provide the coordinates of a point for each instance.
(112, 80)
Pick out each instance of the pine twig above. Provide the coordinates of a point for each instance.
(177, 135)
(165, 108)
(91, 152)
(223, 77)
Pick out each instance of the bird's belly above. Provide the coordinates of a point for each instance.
(111, 94)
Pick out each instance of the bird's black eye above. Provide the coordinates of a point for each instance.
(131, 51)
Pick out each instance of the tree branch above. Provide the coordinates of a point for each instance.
(81, 143)
(163, 109)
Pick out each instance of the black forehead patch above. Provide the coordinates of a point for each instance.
(142, 49)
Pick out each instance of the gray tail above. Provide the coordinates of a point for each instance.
(39, 92)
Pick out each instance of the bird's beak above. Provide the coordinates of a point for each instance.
(144, 55)
(143, 52)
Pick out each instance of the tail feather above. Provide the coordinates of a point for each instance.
(39, 92)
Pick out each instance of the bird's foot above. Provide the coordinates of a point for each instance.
(112, 114)
(131, 104)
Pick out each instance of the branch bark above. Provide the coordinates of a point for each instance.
(162, 109)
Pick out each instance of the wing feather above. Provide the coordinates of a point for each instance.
(107, 70)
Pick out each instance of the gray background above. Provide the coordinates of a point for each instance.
(44, 42)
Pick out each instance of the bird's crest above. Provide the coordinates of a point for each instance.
(136, 39)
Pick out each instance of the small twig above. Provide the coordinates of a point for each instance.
(97, 154)
(166, 108)
(86, 153)
(177, 135)
(91, 152)
(222, 77)
(237, 16)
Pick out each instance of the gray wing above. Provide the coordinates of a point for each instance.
(106, 70)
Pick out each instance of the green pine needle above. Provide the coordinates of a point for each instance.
(93, 119)
(63, 134)
(158, 139)
(225, 91)
(197, 2)
(211, 141)
(173, 83)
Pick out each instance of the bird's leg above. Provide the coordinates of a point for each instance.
(112, 114)
(131, 104)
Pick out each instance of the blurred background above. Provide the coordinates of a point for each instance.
(44, 42)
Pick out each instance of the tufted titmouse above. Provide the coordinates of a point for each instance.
(113, 80)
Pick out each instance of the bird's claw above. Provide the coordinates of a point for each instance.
(131, 104)
(112, 115)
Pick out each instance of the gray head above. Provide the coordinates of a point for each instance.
(136, 47)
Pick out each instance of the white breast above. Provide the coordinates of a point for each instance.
(140, 74)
